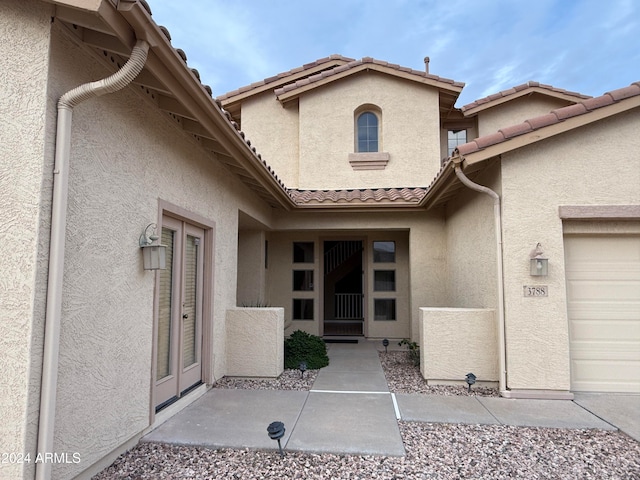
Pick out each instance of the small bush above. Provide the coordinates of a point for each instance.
(413, 351)
(304, 347)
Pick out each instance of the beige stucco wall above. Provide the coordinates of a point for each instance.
(25, 198)
(126, 156)
(457, 341)
(420, 270)
(583, 167)
(471, 277)
(273, 130)
(255, 342)
(409, 132)
(516, 111)
(251, 270)
(315, 135)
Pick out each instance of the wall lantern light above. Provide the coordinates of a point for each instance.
(153, 254)
(539, 264)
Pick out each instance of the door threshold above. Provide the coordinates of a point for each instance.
(175, 407)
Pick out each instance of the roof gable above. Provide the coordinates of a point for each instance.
(557, 121)
(449, 89)
(520, 91)
(231, 100)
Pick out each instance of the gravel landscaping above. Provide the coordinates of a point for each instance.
(404, 377)
(433, 451)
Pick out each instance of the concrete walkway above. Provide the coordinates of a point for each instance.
(350, 410)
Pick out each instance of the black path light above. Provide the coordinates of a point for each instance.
(471, 379)
(276, 432)
(303, 368)
(385, 344)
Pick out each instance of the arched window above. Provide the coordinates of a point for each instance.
(367, 132)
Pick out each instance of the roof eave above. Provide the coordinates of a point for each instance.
(523, 93)
(233, 100)
(549, 131)
(453, 88)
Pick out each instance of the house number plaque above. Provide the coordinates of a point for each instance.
(536, 290)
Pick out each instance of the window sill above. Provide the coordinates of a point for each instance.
(369, 160)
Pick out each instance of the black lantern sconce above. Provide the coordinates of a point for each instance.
(276, 432)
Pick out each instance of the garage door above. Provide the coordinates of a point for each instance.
(603, 295)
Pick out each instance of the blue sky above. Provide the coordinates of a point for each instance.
(588, 46)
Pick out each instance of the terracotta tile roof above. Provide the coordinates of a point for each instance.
(284, 75)
(519, 90)
(375, 196)
(357, 63)
(583, 107)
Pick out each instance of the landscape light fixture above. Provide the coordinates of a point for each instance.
(539, 264)
(471, 379)
(276, 432)
(385, 344)
(153, 254)
(303, 368)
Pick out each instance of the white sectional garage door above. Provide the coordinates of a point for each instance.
(603, 295)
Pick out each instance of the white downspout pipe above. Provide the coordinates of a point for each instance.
(53, 314)
(497, 216)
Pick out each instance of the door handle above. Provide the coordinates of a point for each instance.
(185, 315)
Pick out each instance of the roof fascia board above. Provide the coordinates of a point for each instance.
(521, 93)
(551, 130)
(294, 93)
(355, 207)
(438, 187)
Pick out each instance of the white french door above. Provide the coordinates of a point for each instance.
(179, 329)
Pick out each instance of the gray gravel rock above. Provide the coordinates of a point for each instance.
(433, 451)
(404, 377)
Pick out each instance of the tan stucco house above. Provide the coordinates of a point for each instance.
(350, 196)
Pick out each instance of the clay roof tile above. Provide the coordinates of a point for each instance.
(488, 140)
(569, 111)
(515, 130)
(468, 148)
(626, 92)
(542, 121)
(598, 102)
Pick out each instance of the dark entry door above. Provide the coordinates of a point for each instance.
(343, 288)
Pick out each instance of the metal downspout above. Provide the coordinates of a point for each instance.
(67, 102)
(497, 216)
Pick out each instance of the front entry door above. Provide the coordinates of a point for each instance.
(343, 288)
(179, 337)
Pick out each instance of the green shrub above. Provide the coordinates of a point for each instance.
(413, 351)
(304, 347)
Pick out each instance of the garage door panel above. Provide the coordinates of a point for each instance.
(613, 330)
(605, 376)
(602, 351)
(593, 249)
(613, 313)
(603, 301)
(604, 290)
